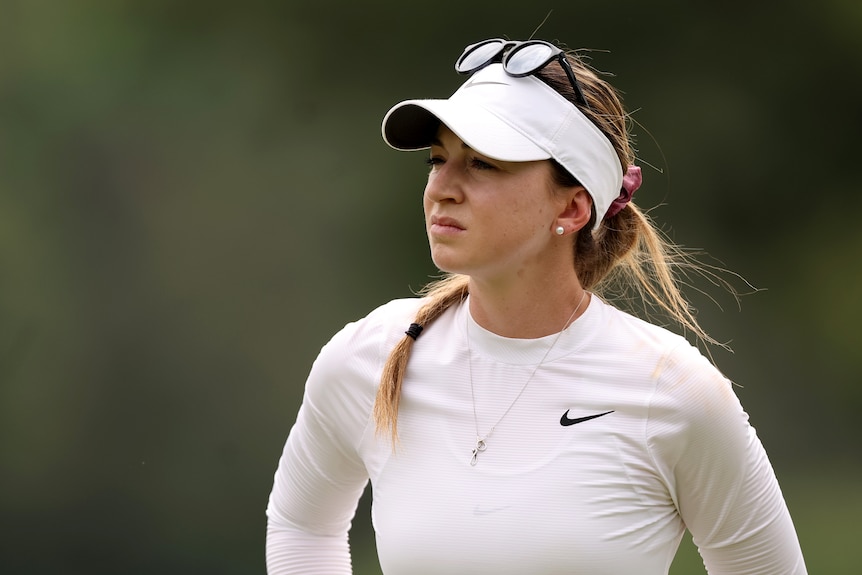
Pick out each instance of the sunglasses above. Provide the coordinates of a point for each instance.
(519, 59)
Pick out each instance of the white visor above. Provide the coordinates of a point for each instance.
(514, 120)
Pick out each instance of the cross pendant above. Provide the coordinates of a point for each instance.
(480, 447)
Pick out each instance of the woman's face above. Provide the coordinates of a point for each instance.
(487, 218)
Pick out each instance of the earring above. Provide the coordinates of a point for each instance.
(560, 230)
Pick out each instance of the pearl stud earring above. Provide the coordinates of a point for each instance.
(560, 230)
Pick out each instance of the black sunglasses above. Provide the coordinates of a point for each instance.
(519, 59)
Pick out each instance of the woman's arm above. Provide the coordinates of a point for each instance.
(320, 475)
(719, 474)
(313, 500)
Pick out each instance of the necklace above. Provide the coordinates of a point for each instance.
(481, 440)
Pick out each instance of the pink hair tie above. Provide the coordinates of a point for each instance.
(631, 182)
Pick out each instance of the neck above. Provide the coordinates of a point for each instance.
(527, 311)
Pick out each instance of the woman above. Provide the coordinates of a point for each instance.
(511, 421)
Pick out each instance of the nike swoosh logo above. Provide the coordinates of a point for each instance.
(565, 421)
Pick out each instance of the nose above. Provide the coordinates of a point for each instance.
(445, 184)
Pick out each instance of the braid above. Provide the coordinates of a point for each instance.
(441, 295)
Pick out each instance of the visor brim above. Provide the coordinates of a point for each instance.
(413, 125)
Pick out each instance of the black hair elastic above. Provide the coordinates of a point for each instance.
(414, 330)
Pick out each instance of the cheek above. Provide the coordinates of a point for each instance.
(531, 216)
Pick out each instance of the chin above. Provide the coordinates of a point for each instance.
(449, 265)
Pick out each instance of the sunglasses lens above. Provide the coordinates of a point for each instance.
(528, 59)
(479, 56)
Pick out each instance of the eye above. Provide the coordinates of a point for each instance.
(434, 161)
(478, 164)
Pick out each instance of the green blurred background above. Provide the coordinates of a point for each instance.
(194, 196)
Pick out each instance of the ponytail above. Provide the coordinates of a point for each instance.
(630, 259)
(441, 295)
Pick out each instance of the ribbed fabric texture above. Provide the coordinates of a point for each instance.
(608, 495)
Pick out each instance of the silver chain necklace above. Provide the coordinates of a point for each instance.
(481, 440)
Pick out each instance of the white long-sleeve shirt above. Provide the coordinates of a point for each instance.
(608, 495)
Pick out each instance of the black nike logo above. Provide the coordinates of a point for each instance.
(565, 421)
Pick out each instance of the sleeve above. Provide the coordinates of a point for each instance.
(320, 475)
(719, 474)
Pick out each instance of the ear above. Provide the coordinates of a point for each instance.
(577, 211)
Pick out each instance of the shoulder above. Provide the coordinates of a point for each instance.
(341, 386)
(690, 403)
(692, 413)
(681, 378)
(359, 349)
(624, 331)
(384, 324)
(634, 349)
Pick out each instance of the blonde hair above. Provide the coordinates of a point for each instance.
(627, 253)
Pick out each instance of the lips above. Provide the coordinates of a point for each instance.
(444, 223)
